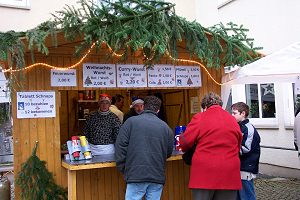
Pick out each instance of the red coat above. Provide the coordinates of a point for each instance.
(215, 163)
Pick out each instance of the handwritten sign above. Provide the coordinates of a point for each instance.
(195, 105)
(188, 76)
(161, 76)
(61, 78)
(35, 104)
(99, 75)
(131, 76)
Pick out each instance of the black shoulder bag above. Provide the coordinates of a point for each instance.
(188, 155)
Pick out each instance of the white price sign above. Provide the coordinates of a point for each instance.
(188, 76)
(99, 75)
(35, 104)
(131, 76)
(161, 76)
(61, 78)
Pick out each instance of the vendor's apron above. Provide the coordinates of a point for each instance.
(102, 149)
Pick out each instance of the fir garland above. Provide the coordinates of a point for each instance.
(36, 182)
(131, 25)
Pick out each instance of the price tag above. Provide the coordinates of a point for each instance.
(131, 76)
(188, 76)
(161, 76)
(99, 75)
(63, 78)
(35, 104)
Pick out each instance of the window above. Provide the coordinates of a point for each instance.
(261, 100)
(15, 3)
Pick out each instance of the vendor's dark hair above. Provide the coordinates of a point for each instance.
(211, 99)
(116, 98)
(241, 106)
(152, 103)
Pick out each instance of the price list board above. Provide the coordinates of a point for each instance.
(63, 78)
(161, 76)
(133, 76)
(99, 75)
(188, 76)
(36, 104)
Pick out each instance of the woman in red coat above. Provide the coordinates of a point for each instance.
(215, 168)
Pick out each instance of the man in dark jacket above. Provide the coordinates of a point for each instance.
(136, 108)
(249, 153)
(143, 145)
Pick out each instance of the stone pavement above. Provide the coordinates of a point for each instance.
(272, 188)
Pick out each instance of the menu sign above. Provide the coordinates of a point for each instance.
(35, 104)
(161, 76)
(99, 75)
(131, 76)
(188, 76)
(60, 78)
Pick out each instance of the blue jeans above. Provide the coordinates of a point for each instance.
(247, 192)
(136, 191)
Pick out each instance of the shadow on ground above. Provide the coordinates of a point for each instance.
(275, 188)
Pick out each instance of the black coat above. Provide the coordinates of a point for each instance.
(129, 114)
(143, 145)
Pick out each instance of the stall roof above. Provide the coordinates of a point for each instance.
(280, 66)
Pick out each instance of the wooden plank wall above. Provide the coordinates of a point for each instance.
(108, 183)
(47, 131)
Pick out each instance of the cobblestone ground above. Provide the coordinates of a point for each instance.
(277, 188)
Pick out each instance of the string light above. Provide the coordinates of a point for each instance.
(52, 66)
(114, 54)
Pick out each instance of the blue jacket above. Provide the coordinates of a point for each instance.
(250, 150)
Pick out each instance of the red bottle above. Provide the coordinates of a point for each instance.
(76, 147)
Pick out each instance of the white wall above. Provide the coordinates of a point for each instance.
(272, 23)
(23, 19)
(203, 11)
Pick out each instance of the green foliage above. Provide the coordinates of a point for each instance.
(129, 25)
(12, 45)
(36, 182)
(254, 110)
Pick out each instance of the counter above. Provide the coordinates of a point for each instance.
(88, 179)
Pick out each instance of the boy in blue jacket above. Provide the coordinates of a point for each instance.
(249, 153)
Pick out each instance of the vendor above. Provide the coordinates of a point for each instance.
(102, 128)
(136, 108)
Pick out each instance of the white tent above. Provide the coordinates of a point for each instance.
(280, 66)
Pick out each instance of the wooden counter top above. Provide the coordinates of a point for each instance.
(103, 161)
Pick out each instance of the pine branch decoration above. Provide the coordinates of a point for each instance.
(36, 182)
(130, 25)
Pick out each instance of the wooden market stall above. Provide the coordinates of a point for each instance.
(103, 181)
(167, 40)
